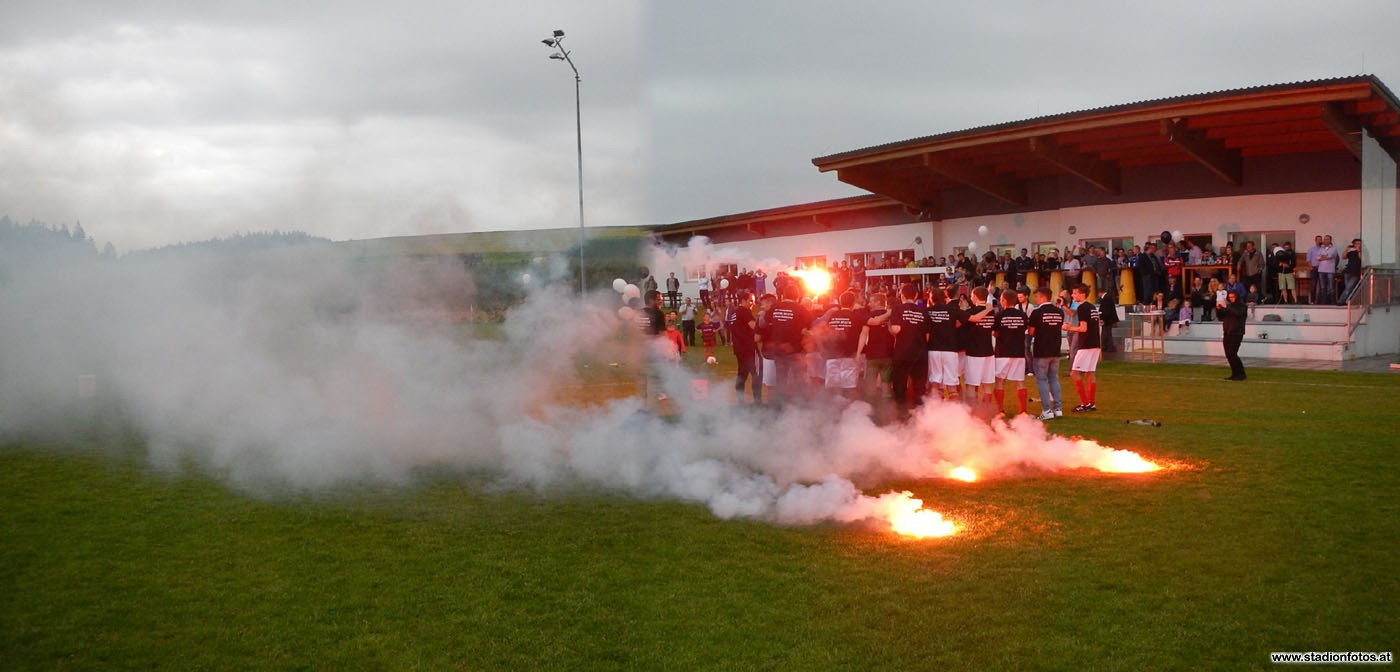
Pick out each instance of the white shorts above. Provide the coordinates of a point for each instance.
(1086, 359)
(1011, 368)
(841, 373)
(942, 367)
(770, 373)
(981, 371)
(816, 365)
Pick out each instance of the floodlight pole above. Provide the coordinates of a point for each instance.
(557, 43)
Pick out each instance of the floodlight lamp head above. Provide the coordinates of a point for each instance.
(557, 56)
(548, 42)
(558, 34)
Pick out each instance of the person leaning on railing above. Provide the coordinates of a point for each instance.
(1352, 271)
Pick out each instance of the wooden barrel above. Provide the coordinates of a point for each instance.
(1091, 281)
(1033, 279)
(1057, 282)
(1001, 277)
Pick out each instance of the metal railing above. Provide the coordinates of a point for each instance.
(1379, 286)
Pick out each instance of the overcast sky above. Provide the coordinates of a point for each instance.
(164, 121)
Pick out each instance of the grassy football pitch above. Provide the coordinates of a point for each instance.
(1281, 532)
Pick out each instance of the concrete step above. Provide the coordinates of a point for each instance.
(1256, 347)
(1279, 331)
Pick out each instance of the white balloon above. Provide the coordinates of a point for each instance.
(1176, 236)
(971, 245)
(525, 278)
(619, 285)
(724, 283)
(625, 313)
(631, 291)
(983, 230)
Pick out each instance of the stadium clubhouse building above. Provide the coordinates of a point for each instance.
(1266, 164)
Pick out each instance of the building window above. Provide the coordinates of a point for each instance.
(812, 262)
(1109, 244)
(881, 259)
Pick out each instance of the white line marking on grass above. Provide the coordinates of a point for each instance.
(1253, 381)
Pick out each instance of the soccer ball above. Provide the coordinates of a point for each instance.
(711, 360)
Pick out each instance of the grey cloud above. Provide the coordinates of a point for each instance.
(141, 118)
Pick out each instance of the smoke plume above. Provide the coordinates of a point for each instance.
(309, 368)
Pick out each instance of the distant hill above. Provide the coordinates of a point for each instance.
(242, 242)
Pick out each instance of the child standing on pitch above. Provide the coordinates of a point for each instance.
(674, 336)
(709, 330)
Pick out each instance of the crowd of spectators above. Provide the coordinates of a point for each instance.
(1157, 267)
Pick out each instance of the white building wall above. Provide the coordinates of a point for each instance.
(1337, 213)
(781, 253)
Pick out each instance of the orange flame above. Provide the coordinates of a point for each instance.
(963, 474)
(816, 280)
(909, 517)
(1125, 462)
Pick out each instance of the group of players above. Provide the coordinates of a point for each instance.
(920, 342)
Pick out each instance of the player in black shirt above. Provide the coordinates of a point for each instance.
(943, 365)
(652, 324)
(1010, 330)
(741, 322)
(1045, 327)
(874, 347)
(980, 373)
(785, 322)
(1086, 358)
(839, 340)
(909, 365)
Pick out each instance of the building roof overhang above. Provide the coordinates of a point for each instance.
(818, 215)
(1217, 131)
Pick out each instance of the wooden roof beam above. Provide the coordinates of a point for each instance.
(1213, 154)
(985, 180)
(923, 196)
(1344, 126)
(1102, 174)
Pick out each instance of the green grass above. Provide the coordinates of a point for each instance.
(1281, 533)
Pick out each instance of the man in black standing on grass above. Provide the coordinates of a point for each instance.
(784, 325)
(1232, 314)
(909, 368)
(742, 322)
(1108, 317)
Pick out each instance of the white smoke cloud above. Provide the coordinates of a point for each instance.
(288, 371)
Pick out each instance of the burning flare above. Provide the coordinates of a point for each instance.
(1125, 462)
(963, 474)
(816, 280)
(907, 516)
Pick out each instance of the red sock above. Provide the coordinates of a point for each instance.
(1021, 396)
(1000, 395)
(1093, 391)
(1079, 387)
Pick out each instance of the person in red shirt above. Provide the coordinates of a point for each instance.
(709, 333)
(674, 336)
